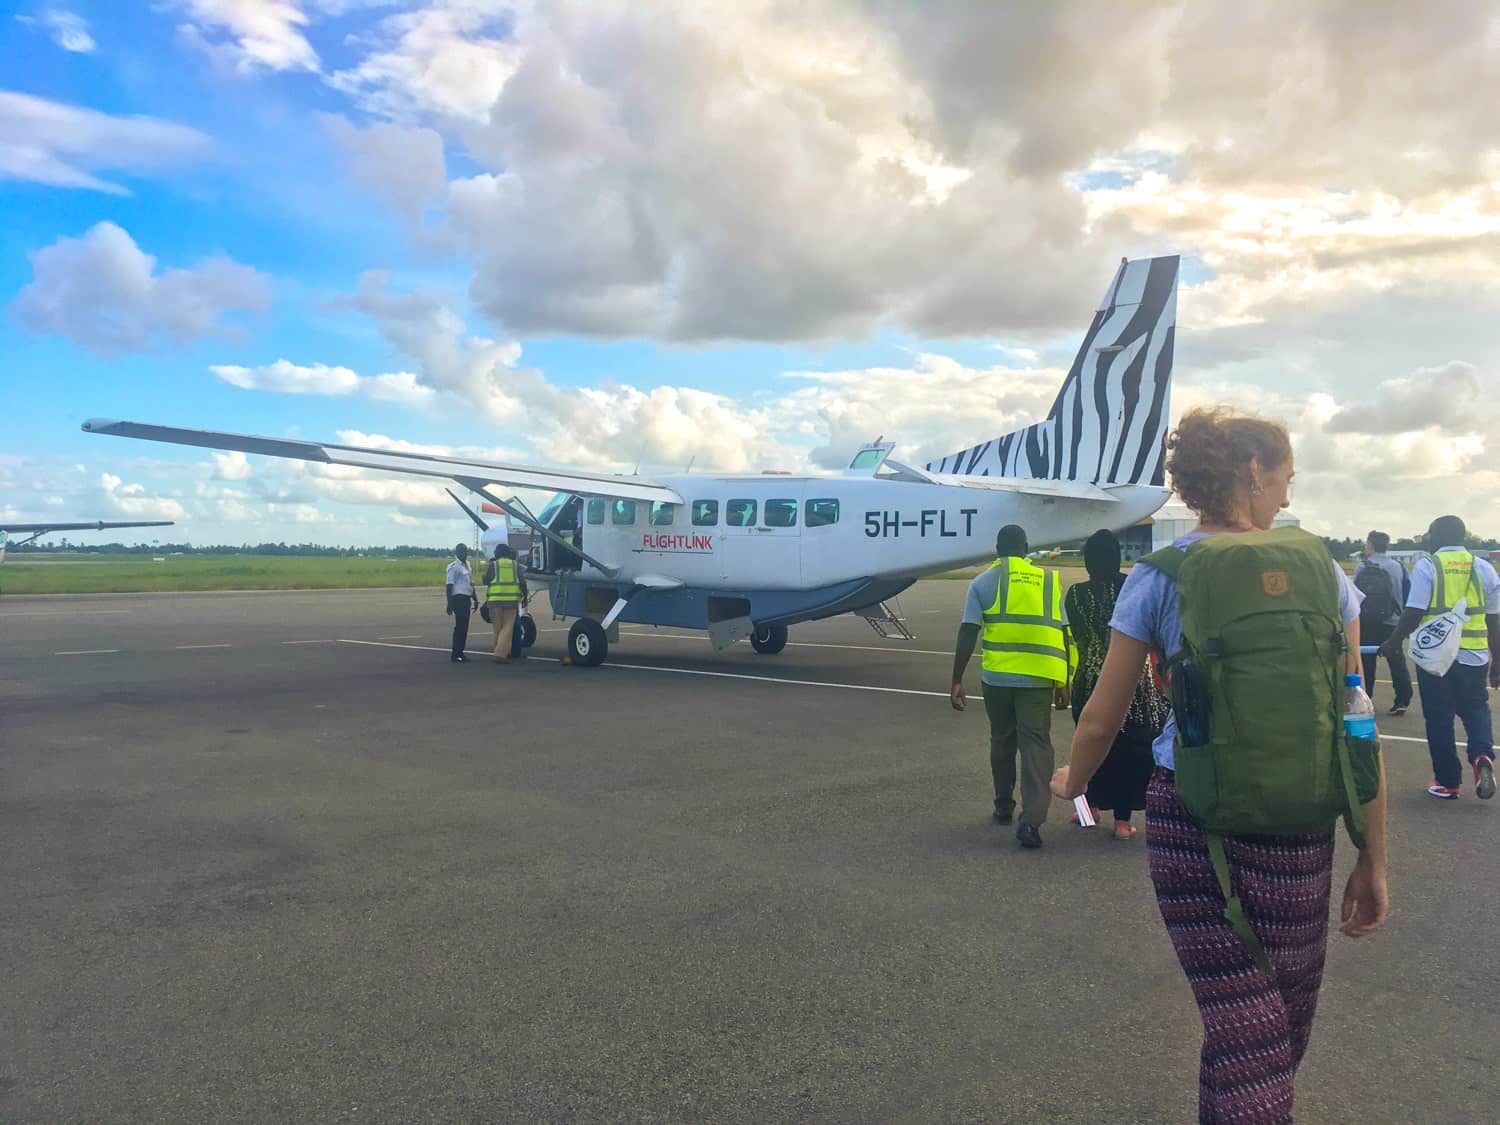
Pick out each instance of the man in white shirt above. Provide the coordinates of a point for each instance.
(1437, 582)
(460, 601)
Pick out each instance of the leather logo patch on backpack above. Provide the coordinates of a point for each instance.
(1275, 583)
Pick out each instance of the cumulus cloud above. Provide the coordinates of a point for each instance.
(104, 292)
(62, 145)
(135, 502)
(284, 377)
(1453, 398)
(249, 35)
(401, 165)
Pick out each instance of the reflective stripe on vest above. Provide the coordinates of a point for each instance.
(504, 587)
(1023, 631)
(1455, 571)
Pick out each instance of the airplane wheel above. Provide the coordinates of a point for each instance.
(528, 631)
(587, 644)
(768, 640)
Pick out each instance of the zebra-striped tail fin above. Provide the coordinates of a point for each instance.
(1109, 422)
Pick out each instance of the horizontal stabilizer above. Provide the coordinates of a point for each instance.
(607, 485)
(1053, 489)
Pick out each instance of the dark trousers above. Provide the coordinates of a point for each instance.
(1021, 722)
(460, 604)
(1463, 694)
(1400, 674)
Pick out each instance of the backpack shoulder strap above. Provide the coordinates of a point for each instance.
(1234, 910)
(1168, 560)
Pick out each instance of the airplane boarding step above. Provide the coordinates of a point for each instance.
(887, 622)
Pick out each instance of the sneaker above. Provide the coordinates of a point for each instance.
(1484, 778)
(1398, 710)
(1029, 836)
(1004, 817)
(1442, 793)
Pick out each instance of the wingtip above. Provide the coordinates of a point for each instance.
(96, 425)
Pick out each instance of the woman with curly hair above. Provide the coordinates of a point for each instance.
(1235, 472)
(1120, 783)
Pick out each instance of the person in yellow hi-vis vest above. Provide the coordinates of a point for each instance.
(1437, 582)
(504, 586)
(1028, 659)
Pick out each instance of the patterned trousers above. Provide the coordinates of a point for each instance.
(1255, 1026)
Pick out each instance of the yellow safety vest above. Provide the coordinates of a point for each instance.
(504, 586)
(1455, 576)
(1023, 630)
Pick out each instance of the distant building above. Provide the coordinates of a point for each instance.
(1173, 520)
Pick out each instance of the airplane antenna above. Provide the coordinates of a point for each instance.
(691, 459)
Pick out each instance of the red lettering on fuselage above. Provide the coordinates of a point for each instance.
(653, 541)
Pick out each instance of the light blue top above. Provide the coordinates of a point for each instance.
(1147, 611)
(1421, 598)
(982, 594)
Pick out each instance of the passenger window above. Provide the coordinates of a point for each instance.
(781, 513)
(705, 513)
(821, 513)
(740, 513)
(596, 511)
(662, 513)
(622, 512)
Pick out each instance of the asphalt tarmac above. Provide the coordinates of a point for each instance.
(254, 870)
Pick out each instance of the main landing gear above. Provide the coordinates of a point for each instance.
(588, 644)
(768, 640)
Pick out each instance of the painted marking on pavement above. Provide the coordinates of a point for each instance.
(794, 644)
(322, 641)
(49, 613)
(86, 652)
(685, 671)
(403, 637)
(181, 648)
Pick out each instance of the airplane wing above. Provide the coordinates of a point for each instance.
(607, 485)
(92, 525)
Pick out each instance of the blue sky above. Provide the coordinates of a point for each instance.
(605, 238)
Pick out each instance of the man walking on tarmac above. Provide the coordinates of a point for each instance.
(1437, 582)
(1385, 584)
(1028, 660)
(461, 601)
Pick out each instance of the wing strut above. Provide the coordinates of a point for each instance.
(520, 513)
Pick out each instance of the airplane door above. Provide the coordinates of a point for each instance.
(763, 540)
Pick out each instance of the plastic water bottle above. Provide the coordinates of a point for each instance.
(1359, 712)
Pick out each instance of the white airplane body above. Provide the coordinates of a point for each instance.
(748, 555)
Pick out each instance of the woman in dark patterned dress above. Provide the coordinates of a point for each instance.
(1120, 783)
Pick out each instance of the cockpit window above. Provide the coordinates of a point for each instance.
(596, 511)
(781, 513)
(740, 513)
(662, 513)
(622, 512)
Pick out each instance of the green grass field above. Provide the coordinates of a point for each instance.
(118, 574)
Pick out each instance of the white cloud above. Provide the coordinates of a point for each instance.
(250, 35)
(134, 501)
(401, 165)
(49, 142)
(104, 292)
(1453, 398)
(233, 465)
(451, 58)
(68, 30)
(290, 378)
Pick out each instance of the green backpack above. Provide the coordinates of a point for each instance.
(1258, 692)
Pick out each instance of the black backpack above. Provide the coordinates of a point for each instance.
(1382, 603)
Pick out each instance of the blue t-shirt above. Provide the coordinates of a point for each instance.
(1147, 611)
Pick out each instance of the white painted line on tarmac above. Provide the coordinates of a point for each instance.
(683, 671)
(796, 644)
(87, 652)
(403, 637)
(183, 648)
(35, 613)
(322, 641)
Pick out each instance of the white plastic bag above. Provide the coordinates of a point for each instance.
(1434, 647)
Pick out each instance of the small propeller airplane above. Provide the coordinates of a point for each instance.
(749, 555)
(34, 531)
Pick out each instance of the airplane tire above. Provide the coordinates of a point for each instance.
(587, 643)
(528, 631)
(768, 640)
